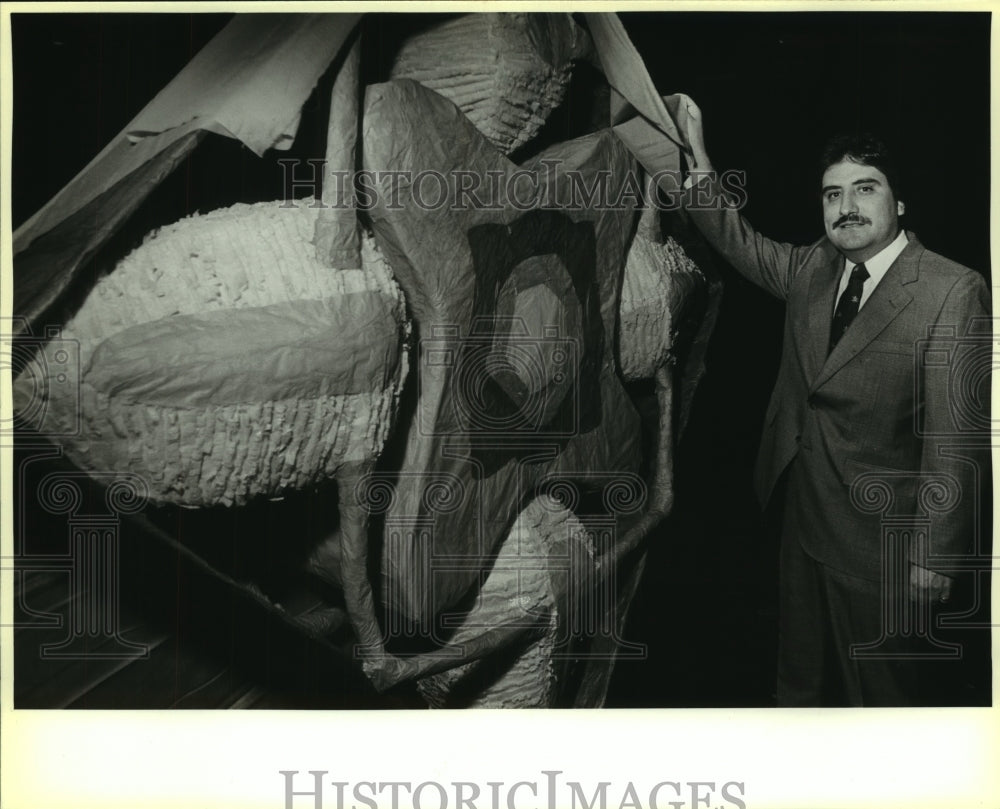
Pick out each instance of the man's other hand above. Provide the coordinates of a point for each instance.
(927, 584)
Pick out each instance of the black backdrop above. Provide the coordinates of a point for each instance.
(772, 87)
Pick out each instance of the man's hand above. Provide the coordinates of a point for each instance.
(689, 121)
(927, 584)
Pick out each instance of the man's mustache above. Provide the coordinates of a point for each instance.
(851, 219)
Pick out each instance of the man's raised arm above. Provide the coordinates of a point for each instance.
(768, 263)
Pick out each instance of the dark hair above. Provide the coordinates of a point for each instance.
(867, 149)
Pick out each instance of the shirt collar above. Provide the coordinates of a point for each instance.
(879, 264)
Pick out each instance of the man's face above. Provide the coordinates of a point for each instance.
(860, 212)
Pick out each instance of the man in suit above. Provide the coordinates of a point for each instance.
(855, 434)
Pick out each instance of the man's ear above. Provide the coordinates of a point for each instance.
(900, 208)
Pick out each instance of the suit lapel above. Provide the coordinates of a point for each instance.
(822, 292)
(888, 299)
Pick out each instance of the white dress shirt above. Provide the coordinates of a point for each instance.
(877, 266)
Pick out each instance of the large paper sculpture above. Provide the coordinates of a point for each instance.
(488, 323)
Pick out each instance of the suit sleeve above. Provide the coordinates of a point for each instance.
(769, 264)
(956, 414)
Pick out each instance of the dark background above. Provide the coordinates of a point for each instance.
(772, 88)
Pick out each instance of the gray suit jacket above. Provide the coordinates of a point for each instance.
(873, 425)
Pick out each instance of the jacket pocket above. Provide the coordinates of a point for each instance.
(907, 349)
(877, 488)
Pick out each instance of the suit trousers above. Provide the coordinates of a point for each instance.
(822, 613)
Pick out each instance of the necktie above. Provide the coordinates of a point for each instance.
(847, 306)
